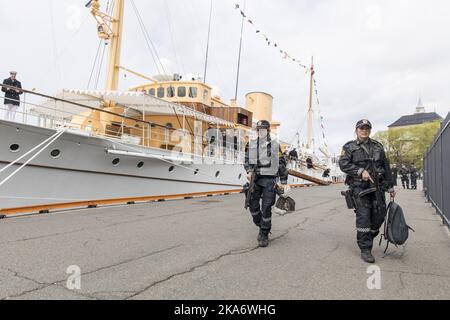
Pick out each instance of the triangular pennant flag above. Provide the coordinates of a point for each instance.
(275, 44)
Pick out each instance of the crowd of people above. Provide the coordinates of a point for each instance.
(408, 176)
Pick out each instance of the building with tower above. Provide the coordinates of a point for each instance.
(419, 118)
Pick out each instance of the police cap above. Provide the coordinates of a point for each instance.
(363, 123)
(263, 124)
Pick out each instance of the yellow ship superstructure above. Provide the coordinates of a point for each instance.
(167, 138)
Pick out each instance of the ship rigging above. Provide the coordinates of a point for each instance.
(168, 138)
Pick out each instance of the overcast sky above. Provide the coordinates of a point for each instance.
(373, 58)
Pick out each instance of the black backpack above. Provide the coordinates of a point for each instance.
(396, 230)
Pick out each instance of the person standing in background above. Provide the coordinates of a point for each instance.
(394, 174)
(404, 173)
(413, 175)
(12, 95)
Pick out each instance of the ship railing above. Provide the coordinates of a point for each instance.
(125, 129)
(301, 163)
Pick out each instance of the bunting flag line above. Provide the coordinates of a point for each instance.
(287, 56)
(270, 43)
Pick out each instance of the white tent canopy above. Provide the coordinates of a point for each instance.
(139, 102)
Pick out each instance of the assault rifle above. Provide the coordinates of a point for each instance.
(375, 187)
(249, 187)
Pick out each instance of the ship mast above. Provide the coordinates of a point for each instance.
(310, 111)
(110, 28)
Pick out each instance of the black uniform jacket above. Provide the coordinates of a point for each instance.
(354, 160)
(11, 96)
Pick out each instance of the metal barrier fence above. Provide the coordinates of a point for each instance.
(437, 172)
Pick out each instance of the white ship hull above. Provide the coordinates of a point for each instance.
(84, 170)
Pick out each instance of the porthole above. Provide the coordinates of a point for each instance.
(217, 174)
(116, 162)
(171, 168)
(14, 147)
(140, 165)
(196, 171)
(56, 153)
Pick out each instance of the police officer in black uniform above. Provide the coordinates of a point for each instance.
(394, 174)
(354, 161)
(404, 172)
(413, 174)
(263, 158)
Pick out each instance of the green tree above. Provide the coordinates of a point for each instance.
(408, 145)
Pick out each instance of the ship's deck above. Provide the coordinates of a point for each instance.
(205, 248)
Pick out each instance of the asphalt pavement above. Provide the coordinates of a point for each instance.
(206, 248)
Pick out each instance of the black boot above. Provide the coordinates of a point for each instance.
(263, 239)
(367, 256)
(260, 235)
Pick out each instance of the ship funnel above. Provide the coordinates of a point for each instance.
(260, 104)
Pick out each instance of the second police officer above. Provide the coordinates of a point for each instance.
(404, 173)
(354, 161)
(414, 175)
(264, 160)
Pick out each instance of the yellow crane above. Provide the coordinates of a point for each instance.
(110, 28)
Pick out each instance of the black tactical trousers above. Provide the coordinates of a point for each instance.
(405, 183)
(413, 183)
(262, 213)
(368, 219)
